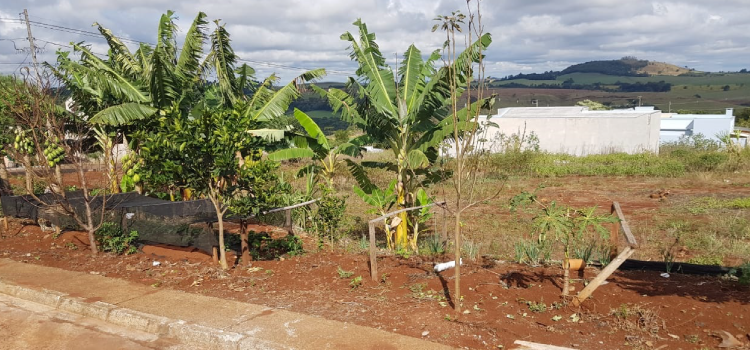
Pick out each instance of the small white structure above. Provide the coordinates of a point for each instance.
(675, 126)
(577, 130)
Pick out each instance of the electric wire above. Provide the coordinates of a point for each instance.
(98, 35)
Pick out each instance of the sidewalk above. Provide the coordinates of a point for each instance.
(207, 322)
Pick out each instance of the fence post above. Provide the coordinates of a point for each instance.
(614, 236)
(290, 227)
(373, 258)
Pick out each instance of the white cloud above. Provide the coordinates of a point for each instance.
(528, 36)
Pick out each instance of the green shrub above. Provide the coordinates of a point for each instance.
(110, 238)
(709, 161)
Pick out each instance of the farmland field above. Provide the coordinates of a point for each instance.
(702, 93)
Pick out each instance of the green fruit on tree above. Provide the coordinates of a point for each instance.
(131, 172)
(51, 164)
(136, 178)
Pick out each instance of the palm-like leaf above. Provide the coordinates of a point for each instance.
(291, 153)
(312, 129)
(380, 85)
(123, 114)
(222, 60)
(188, 64)
(273, 104)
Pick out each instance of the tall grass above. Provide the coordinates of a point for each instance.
(673, 161)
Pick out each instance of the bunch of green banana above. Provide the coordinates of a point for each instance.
(53, 152)
(131, 167)
(23, 143)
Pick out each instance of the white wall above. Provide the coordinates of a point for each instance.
(584, 135)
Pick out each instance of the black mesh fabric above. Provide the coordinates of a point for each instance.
(181, 224)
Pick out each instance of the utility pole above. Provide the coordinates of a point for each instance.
(639, 101)
(670, 106)
(32, 47)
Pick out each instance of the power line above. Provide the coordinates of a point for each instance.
(87, 33)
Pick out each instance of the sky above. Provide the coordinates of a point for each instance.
(288, 36)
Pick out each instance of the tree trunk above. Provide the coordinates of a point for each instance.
(220, 220)
(5, 188)
(27, 173)
(566, 273)
(246, 258)
(457, 293)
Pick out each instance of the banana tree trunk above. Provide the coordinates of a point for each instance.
(402, 233)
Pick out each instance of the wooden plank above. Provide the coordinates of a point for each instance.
(406, 209)
(527, 345)
(291, 206)
(602, 276)
(625, 227)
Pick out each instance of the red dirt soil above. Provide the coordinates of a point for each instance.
(681, 312)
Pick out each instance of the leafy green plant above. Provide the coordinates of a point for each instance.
(356, 282)
(742, 273)
(533, 252)
(565, 225)
(330, 214)
(584, 251)
(110, 238)
(433, 245)
(471, 249)
(343, 274)
(537, 307)
(604, 252)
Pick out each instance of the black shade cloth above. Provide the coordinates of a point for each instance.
(156, 220)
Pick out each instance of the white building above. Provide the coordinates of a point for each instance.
(675, 126)
(577, 130)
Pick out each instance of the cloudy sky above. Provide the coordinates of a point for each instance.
(528, 36)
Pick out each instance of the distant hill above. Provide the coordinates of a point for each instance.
(661, 68)
(625, 67)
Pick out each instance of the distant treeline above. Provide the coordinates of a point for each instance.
(626, 67)
(660, 86)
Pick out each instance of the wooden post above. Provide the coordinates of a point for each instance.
(289, 225)
(614, 235)
(373, 258)
(5, 223)
(615, 263)
(602, 276)
(215, 254)
(246, 258)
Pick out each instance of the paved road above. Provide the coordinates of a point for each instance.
(27, 325)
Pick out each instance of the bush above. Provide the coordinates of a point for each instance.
(110, 238)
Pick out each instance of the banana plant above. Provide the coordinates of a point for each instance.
(381, 202)
(420, 199)
(314, 144)
(408, 110)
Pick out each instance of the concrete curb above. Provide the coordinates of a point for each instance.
(207, 337)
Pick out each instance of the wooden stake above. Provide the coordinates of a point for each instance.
(215, 254)
(602, 276)
(373, 258)
(290, 227)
